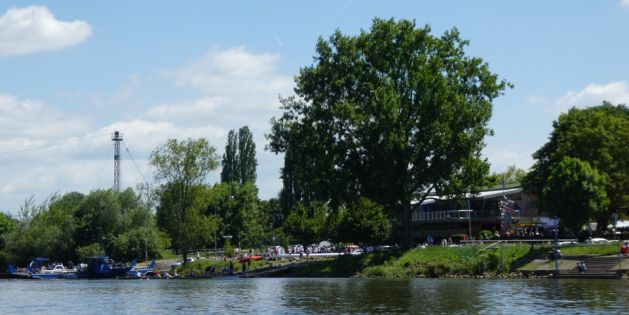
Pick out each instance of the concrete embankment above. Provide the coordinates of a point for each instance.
(597, 267)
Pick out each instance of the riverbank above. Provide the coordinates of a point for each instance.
(505, 261)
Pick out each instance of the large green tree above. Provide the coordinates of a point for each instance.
(182, 166)
(364, 222)
(308, 223)
(390, 114)
(237, 206)
(575, 193)
(598, 135)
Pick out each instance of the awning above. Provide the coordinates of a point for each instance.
(487, 194)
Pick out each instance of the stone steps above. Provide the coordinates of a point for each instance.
(597, 268)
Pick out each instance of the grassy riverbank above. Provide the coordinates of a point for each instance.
(439, 261)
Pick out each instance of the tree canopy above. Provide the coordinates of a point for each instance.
(247, 161)
(389, 114)
(575, 192)
(230, 158)
(74, 226)
(513, 175)
(237, 206)
(239, 160)
(183, 166)
(308, 223)
(365, 222)
(597, 135)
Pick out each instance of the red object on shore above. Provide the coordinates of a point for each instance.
(624, 249)
(248, 258)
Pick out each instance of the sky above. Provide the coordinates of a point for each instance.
(73, 72)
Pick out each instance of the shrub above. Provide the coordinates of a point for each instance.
(84, 252)
(485, 234)
(229, 249)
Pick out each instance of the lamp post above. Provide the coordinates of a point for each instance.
(469, 218)
(555, 254)
(469, 222)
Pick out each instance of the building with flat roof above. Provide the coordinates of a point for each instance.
(502, 210)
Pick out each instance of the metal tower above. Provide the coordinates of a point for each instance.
(116, 137)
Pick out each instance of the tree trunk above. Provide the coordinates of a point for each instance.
(601, 223)
(407, 238)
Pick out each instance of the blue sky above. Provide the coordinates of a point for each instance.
(72, 72)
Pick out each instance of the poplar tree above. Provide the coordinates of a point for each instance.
(230, 158)
(247, 162)
(239, 159)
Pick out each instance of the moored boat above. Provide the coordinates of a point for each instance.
(103, 267)
(38, 270)
(139, 272)
(14, 273)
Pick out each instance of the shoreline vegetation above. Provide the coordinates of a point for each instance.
(507, 261)
(379, 123)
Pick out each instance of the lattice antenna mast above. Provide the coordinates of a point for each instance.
(116, 137)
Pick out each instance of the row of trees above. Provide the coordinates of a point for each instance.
(74, 226)
(183, 213)
(196, 215)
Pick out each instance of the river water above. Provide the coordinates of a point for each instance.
(314, 296)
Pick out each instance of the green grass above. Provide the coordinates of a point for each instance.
(474, 260)
(168, 254)
(593, 249)
(429, 262)
(464, 261)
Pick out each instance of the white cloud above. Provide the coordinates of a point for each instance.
(45, 150)
(238, 87)
(624, 3)
(251, 80)
(26, 123)
(37, 144)
(503, 155)
(187, 109)
(35, 29)
(592, 95)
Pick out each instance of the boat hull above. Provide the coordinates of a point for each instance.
(9, 275)
(108, 274)
(52, 276)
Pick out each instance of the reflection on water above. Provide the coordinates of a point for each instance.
(313, 296)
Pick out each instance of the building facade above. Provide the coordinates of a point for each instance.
(503, 211)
